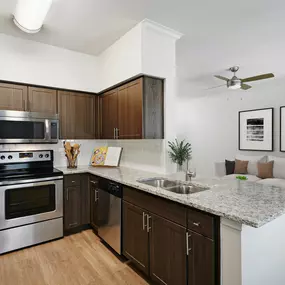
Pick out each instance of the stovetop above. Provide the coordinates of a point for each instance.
(21, 174)
(27, 165)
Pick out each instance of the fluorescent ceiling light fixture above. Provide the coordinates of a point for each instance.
(30, 14)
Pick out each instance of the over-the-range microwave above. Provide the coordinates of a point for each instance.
(28, 127)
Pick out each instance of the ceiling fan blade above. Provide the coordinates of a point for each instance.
(216, 87)
(221, 77)
(245, 86)
(258, 77)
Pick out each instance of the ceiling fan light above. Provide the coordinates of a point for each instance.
(234, 87)
(30, 14)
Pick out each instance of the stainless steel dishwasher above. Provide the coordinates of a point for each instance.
(110, 213)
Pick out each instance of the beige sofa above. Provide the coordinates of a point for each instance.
(278, 170)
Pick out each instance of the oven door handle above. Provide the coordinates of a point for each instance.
(28, 185)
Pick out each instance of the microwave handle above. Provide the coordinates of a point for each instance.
(47, 130)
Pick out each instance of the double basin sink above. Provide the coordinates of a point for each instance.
(173, 186)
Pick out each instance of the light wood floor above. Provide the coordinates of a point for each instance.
(77, 259)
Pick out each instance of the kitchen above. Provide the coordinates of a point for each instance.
(131, 224)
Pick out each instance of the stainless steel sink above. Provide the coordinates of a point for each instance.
(186, 189)
(158, 182)
(173, 186)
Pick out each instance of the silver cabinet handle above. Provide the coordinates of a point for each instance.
(144, 220)
(196, 224)
(114, 133)
(72, 181)
(147, 223)
(187, 243)
(94, 182)
(67, 194)
(96, 196)
(117, 133)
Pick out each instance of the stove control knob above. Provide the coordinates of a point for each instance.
(2, 157)
(47, 155)
(41, 156)
(10, 157)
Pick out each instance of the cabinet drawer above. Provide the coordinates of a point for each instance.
(201, 223)
(72, 180)
(156, 205)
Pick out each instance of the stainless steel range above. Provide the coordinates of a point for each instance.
(31, 199)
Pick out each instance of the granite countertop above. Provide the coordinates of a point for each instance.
(252, 204)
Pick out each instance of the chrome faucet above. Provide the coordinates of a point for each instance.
(190, 173)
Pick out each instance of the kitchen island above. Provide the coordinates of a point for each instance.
(252, 244)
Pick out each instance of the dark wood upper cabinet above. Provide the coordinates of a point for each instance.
(72, 207)
(42, 100)
(78, 115)
(13, 97)
(66, 106)
(130, 110)
(167, 252)
(201, 260)
(135, 236)
(134, 110)
(109, 114)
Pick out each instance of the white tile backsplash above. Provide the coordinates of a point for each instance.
(139, 154)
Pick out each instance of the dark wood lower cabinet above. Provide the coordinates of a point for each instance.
(76, 201)
(201, 260)
(94, 199)
(168, 260)
(135, 236)
(72, 209)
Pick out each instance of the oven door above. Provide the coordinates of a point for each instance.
(31, 202)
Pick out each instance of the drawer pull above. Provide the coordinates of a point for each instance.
(94, 182)
(196, 224)
(72, 181)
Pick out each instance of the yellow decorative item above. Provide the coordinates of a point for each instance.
(106, 156)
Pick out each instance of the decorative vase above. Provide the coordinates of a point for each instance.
(72, 163)
(179, 168)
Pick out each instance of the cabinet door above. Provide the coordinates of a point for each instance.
(94, 202)
(109, 114)
(72, 209)
(42, 100)
(201, 260)
(130, 110)
(168, 257)
(84, 116)
(66, 105)
(13, 97)
(135, 237)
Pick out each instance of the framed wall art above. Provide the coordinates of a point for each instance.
(282, 128)
(256, 130)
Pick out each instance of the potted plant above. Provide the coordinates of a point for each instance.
(179, 152)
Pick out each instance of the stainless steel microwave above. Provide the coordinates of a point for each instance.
(28, 127)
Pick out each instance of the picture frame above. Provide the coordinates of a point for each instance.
(282, 130)
(255, 130)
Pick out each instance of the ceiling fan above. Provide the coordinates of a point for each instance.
(237, 83)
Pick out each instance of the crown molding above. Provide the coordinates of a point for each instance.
(162, 29)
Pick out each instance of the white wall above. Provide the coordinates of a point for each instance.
(37, 63)
(121, 60)
(209, 118)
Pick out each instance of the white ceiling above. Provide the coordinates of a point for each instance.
(218, 34)
(90, 26)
